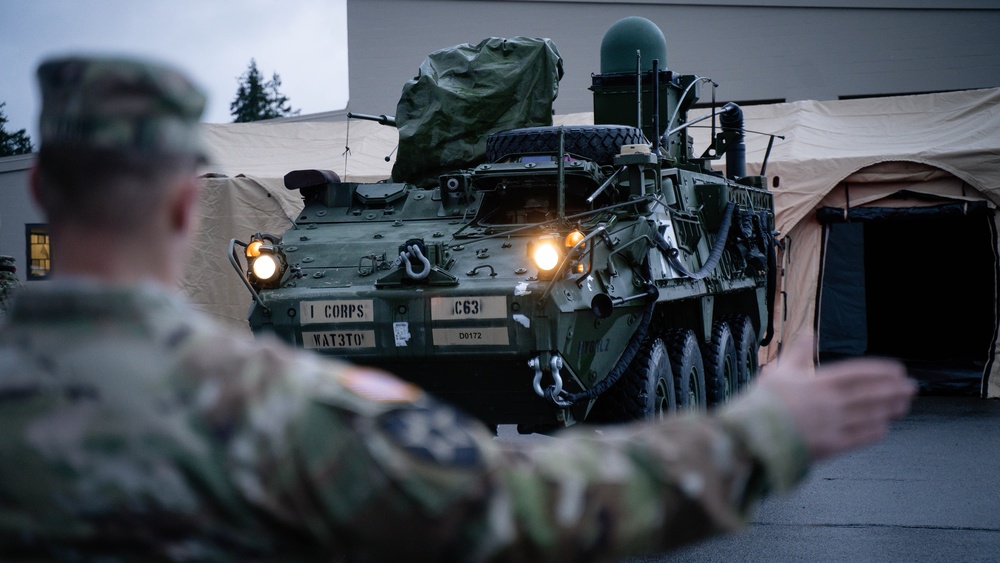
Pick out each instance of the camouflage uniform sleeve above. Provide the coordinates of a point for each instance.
(764, 426)
(368, 466)
(643, 487)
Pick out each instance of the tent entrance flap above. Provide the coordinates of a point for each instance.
(917, 284)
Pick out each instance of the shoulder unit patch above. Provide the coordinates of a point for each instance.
(436, 434)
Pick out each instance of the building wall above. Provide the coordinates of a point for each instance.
(755, 50)
(16, 209)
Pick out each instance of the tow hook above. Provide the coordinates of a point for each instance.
(413, 251)
(552, 392)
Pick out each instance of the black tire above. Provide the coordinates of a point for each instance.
(644, 392)
(599, 143)
(721, 367)
(689, 371)
(747, 348)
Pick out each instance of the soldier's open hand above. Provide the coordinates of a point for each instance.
(847, 404)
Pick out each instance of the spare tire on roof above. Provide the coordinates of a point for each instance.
(599, 143)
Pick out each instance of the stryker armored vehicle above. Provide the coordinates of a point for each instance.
(565, 273)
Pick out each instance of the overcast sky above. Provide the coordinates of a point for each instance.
(304, 41)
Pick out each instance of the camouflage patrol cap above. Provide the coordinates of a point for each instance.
(119, 103)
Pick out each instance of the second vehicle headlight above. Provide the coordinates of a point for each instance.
(546, 256)
(546, 253)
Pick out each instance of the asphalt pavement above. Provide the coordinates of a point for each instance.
(930, 492)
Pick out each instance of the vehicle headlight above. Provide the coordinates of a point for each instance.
(265, 267)
(265, 261)
(546, 252)
(545, 255)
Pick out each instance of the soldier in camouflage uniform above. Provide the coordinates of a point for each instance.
(131, 427)
(8, 281)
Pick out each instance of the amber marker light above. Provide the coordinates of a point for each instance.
(253, 249)
(573, 239)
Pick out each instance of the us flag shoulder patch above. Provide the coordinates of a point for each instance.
(379, 387)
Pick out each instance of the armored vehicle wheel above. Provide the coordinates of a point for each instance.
(721, 366)
(644, 392)
(746, 349)
(599, 143)
(689, 371)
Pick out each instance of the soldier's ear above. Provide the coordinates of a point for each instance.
(183, 204)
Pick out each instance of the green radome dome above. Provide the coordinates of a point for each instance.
(624, 38)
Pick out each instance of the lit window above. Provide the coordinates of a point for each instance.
(39, 263)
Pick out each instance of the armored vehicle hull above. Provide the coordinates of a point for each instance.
(573, 273)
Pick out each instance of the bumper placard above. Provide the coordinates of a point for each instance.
(336, 339)
(338, 311)
(473, 336)
(468, 307)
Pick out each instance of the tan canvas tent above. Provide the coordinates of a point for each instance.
(244, 194)
(935, 158)
(232, 208)
(355, 149)
(893, 201)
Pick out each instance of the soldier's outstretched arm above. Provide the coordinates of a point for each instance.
(655, 486)
(371, 465)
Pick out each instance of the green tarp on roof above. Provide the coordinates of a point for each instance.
(464, 93)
